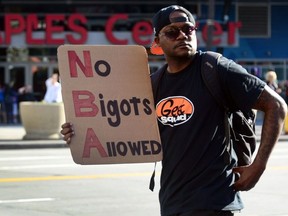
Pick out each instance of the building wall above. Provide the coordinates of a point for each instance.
(30, 64)
(263, 48)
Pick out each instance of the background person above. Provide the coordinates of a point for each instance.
(3, 117)
(26, 94)
(53, 89)
(272, 82)
(11, 104)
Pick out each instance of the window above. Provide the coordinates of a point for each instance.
(255, 20)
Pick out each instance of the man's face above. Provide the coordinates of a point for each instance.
(178, 39)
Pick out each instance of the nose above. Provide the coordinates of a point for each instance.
(181, 33)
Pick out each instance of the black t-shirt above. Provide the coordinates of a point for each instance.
(194, 172)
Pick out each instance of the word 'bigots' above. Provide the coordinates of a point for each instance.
(84, 106)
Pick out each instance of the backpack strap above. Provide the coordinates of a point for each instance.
(210, 77)
(152, 179)
(156, 78)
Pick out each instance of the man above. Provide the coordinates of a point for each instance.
(195, 179)
(53, 90)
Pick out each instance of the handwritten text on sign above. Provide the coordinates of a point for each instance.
(89, 103)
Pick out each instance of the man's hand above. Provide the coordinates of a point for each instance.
(67, 131)
(248, 176)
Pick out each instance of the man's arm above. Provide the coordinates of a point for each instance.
(275, 109)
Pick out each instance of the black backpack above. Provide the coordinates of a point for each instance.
(239, 125)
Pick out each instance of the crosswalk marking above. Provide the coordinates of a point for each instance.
(26, 200)
(32, 158)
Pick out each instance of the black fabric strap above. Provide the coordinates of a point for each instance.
(211, 79)
(155, 87)
(152, 179)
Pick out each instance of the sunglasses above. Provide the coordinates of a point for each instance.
(173, 32)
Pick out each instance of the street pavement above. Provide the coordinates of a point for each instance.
(37, 187)
(11, 137)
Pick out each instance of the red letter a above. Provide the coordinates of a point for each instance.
(92, 141)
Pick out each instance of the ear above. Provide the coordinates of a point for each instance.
(156, 48)
(156, 41)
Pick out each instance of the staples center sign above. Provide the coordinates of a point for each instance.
(22, 30)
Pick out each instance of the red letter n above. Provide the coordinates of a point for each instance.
(74, 60)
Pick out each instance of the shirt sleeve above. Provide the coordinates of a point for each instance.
(241, 88)
(48, 82)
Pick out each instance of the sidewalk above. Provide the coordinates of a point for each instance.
(11, 137)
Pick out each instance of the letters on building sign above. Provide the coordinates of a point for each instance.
(75, 32)
(28, 25)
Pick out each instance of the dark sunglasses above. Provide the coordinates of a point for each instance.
(173, 32)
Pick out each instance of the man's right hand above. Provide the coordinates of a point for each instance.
(67, 131)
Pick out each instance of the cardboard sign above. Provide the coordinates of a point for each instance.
(108, 97)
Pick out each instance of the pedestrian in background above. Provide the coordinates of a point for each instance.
(26, 94)
(195, 179)
(272, 82)
(3, 116)
(11, 104)
(53, 89)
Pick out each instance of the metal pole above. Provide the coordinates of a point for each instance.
(210, 23)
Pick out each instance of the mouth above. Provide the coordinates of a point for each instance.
(183, 46)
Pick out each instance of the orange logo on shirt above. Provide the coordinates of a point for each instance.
(174, 110)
